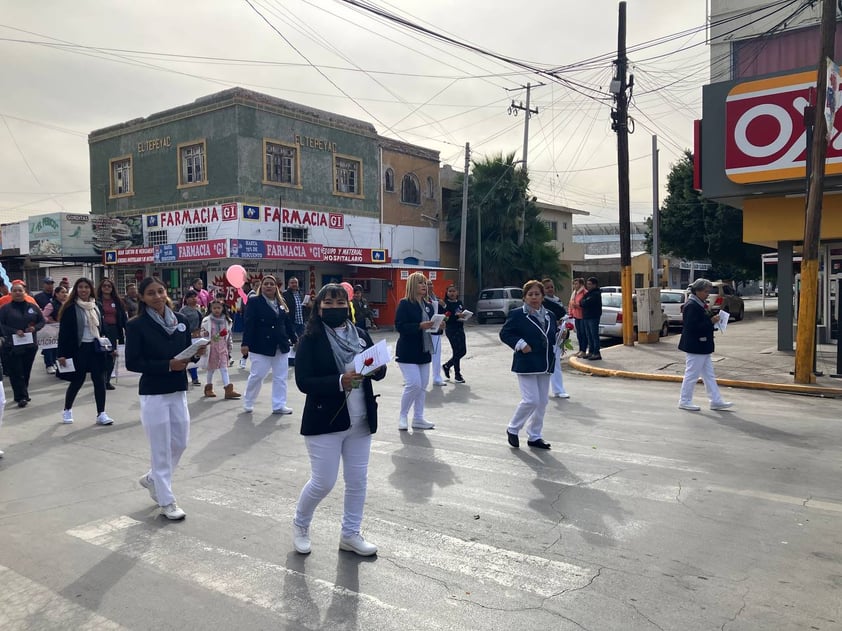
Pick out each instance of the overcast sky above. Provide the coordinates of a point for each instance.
(72, 67)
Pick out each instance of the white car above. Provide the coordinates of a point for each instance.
(611, 322)
(672, 301)
(496, 302)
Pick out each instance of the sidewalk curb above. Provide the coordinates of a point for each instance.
(788, 388)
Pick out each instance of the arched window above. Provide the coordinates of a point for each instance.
(410, 189)
(431, 192)
(389, 180)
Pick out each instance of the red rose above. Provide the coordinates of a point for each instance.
(568, 326)
(447, 314)
(223, 333)
(369, 361)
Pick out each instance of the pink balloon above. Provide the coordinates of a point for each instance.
(347, 286)
(243, 295)
(236, 275)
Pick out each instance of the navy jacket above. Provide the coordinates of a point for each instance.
(592, 304)
(410, 346)
(453, 323)
(265, 331)
(540, 336)
(317, 376)
(697, 330)
(149, 349)
(556, 307)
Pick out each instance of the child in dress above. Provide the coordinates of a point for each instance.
(217, 328)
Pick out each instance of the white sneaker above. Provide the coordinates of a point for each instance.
(51, 370)
(248, 409)
(1, 453)
(420, 423)
(67, 417)
(282, 410)
(438, 383)
(689, 406)
(402, 423)
(146, 483)
(243, 363)
(356, 543)
(104, 419)
(300, 539)
(561, 395)
(173, 512)
(724, 405)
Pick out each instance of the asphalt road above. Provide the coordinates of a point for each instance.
(641, 516)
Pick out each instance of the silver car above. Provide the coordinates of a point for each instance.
(496, 302)
(611, 322)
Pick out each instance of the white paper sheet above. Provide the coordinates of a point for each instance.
(20, 340)
(466, 315)
(191, 350)
(68, 366)
(380, 355)
(437, 320)
(724, 316)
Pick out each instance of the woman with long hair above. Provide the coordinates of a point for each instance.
(414, 349)
(80, 326)
(153, 340)
(574, 308)
(340, 415)
(114, 322)
(20, 320)
(268, 335)
(454, 329)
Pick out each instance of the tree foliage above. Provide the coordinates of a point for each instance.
(695, 228)
(498, 195)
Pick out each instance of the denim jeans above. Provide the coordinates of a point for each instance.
(592, 331)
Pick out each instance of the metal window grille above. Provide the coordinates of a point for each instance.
(157, 237)
(193, 164)
(280, 163)
(196, 233)
(347, 176)
(298, 235)
(122, 177)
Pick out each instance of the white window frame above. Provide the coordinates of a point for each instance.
(196, 233)
(157, 237)
(347, 181)
(295, 234)
(290, 164)
(121, 169)
(192, 164)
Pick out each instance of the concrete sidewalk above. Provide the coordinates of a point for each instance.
(746, 357)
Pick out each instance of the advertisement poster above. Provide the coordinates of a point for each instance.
(116, 233)
(45, 235)
(77, 235)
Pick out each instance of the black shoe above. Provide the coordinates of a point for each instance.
(514, 441)
(110, 386)
(446, 370)
(196, 382)
(595, 357)
(22, 403)
(538, 444)
(459, 379)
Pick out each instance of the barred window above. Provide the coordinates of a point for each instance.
(157, 237)
(192, 169)
(298, 235)
(281, 163)
(410, 189)
(348, 174)
(121, 177)
(196, 233)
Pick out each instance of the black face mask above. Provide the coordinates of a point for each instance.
(334, 317)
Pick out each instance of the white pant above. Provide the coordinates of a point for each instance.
(353, 446)
(166, 419)
(534, 396)
(696, 366)
(2, 401)
(223, 372)
(260, 367)
(436, 358)
(415, 379)
(557, 381)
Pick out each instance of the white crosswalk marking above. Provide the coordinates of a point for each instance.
(27, 605)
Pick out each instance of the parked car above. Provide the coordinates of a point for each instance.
(611, 322)
(672, 301)
(611, 289)
(723, 296)
(496, 302)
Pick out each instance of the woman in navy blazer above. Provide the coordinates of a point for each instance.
(340, 415)
(697, 342)
(531, 332)
(268, 335)
(414, 349)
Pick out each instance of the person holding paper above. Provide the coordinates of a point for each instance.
(113, 323)
(80, 326)
(414, 349)
(697, 343)
(455, 332)
(153, 339)
(268, 336)
(531, 333)
(340, 415)
(19, 321)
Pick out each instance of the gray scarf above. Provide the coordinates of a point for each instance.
(345, 344)
(169, 322)
(426, 337)
(276, 306)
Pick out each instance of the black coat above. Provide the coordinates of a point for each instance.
(122, 318)
(697, 330)
(557, 308)
(317, 376)
(540, 336)
(289, 298)
(592, 304)
(265, 331)
(410, 346)
(69, 339)
(149, 349)
(16, 317)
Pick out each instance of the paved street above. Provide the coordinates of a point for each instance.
(641, 516)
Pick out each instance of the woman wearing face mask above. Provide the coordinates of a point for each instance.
(340, 415)
(20, 320)
(531, 333)
(153, 339)
(414, 349)
(455, 332)
(80, 324)
(268, 335)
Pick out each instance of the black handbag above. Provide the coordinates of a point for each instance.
(103, 345)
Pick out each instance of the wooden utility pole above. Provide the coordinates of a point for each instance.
(620, 87)
(463, 236)
(805, 341)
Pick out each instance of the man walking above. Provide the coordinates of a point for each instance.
(295, 300)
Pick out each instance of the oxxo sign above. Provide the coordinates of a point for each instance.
(766, 139)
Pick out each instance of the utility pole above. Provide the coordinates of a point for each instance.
(464, 223)
(656, 219)
(620, 117)
(513, 109)
(806, 335)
